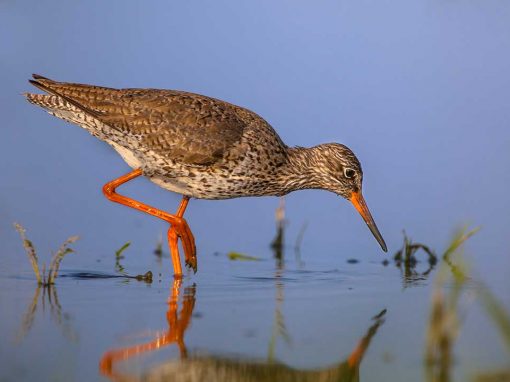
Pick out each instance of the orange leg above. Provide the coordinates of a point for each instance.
(178, 226)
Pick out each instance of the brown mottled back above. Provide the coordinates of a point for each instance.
(185, 127)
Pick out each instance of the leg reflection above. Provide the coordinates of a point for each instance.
(178, 323)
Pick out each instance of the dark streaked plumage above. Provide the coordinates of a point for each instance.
(202, 147)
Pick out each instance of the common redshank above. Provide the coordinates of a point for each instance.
(199, 147)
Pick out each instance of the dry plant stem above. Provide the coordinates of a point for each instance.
(178, 226)
(43, 278)
(57, 259)
(445, 320)
(29, 248)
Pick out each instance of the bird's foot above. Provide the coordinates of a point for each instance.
(181, 230)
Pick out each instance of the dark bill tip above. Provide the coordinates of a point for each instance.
(359, 203)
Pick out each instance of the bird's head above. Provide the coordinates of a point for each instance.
(337, 169)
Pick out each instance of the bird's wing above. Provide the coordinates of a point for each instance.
(185, 127)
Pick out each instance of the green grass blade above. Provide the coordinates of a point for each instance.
(458, 240)
(118, 252)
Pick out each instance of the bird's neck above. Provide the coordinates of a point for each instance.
(300, 171)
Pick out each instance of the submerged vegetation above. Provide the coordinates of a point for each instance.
(406, 258)
(45, 278)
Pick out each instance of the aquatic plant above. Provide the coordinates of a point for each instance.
(445, 322)
(445, 318)
(501, 319)
(459, 238)
(45, 281)
(406, 260)
(443, 327)
(118, 252)
(45, 278)
(119, 268)
(119, 256)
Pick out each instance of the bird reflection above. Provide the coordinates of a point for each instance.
(217, 368)
(178, 323)
(228, 369)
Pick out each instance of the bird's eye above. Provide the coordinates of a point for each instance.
(349, 173)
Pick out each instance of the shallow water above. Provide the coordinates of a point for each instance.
(234, 320)
(418, 90)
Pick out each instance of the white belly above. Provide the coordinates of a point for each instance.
(127, 155)
(174, 186)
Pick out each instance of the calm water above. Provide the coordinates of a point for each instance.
(235, 320)
(418, 91)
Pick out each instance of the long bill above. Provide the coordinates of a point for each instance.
(359, 203)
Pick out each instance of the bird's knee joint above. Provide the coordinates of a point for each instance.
(108, 190)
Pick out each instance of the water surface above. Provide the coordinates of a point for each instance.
(419, 91)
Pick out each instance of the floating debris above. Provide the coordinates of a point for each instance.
(241, 257)
(147, 277)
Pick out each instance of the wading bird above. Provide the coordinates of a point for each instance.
(199, 147)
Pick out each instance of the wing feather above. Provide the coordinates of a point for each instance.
(185, 127)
